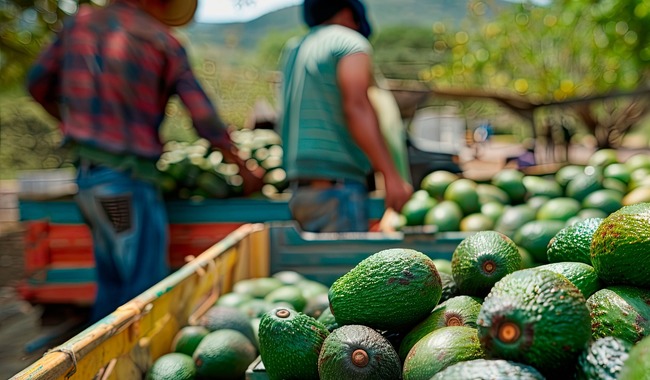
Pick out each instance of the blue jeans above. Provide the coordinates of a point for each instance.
(128, 222)
(340, 208)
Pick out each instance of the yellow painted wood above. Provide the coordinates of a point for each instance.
(125, 343)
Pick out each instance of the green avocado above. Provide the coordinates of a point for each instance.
(389, 290)
(358, 352)
(456, 311)
(535, 236)
(440, 349)
(581, 275)
(535, 317)
(290, 342)
(449, 287)
(488, 369)
(603, 359)
(637, 365)
(620, 311)
(573, 242)
(482, 259)
(620, 248)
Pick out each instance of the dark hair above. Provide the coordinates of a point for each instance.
(315, 12)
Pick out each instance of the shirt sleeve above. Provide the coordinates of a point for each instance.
(43, 76)
(204, 115)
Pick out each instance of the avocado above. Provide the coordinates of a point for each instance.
(358, 352)
(463, 192)
(440, 349)
(620, 311)
(637, 365)
(389, 290)
(173, 365)
(449, 287)
(514, 217)
(482, 259)
(316, 305)
(485, 369)
(583, 184)
(535, 317)
(257, 287)
(620, 248)
(457, 311)
(603, 359)
(226, 317)
(291, 294)
(561, 208)
(572, 243)
(581, 275)
(534, 236)
(511, 181)
(417, 207)
(542, 186)
(328, 320)
(290, 342)
(223, 354)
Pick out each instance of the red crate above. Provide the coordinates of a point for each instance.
(71, 243)
(191, 239)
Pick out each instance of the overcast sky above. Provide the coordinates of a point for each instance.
(226, 11)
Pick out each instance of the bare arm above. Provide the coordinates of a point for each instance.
(354, 79)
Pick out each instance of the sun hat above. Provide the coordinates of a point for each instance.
(315, 12)
(176, 12)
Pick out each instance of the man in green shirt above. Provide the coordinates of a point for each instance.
(330, 130)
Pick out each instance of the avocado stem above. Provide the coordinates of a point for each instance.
(454, 321)
(360, 358)
(282, 313)
(489, 266)
(508, 332)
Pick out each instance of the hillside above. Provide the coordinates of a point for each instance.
(383, 14)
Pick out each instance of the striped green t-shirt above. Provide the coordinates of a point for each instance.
(316, 140)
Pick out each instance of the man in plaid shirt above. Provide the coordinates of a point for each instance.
(108, 77)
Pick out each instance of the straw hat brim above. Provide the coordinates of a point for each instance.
(177, 12)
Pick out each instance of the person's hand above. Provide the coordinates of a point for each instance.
(398, 192)
(253, 177)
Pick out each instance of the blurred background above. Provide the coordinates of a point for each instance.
(560, 71)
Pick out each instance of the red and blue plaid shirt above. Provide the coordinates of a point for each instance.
(110, 73)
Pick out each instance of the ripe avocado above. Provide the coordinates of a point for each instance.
(581, 275)
(620, 311)
(573, 242)
(482, 259)
(456, 311)
(620, 248)
(603, 359)
(358, 352)
(440, 349)
(389, 290)
(535, 317)
(289, 344)
(488, 369)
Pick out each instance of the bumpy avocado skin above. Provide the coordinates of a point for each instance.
(637, 365)
(457, 311)
(620, 248)
(440, 349)
(489, 369)
(602, 359)
(548, 314)
(482, 259)
(620, 311)
(336, 361)
(389, 290)
(572, 243)
(290, 342)
(582, 275)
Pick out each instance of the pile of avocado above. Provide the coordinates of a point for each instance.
(530, 209)
(195, 171)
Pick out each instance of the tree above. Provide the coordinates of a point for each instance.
(570, 49)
